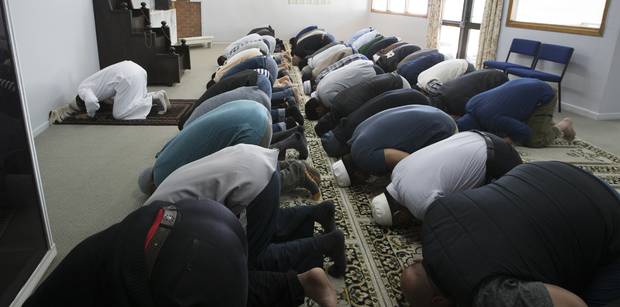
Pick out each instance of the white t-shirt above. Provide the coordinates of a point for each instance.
(325, 54)
(454, 164)
(364, 39)
(443, 72)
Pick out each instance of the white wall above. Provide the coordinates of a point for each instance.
(228, 20)
(57, 48)
(409, 28)
(586, 80)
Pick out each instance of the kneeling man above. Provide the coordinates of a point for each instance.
(545, 234)
(125, 84)
(463, 161)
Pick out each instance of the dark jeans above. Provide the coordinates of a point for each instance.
(502, 159)
(280, 244)
(293, 246)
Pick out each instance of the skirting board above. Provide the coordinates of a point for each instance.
(39, 129)
(35, 278)
(589, 113)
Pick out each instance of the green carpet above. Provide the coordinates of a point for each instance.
(375, 254)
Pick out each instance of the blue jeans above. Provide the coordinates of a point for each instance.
(282, 93)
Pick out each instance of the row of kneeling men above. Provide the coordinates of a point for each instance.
(496, 232)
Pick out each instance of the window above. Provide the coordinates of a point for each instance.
(460, 29)
(401, 7)
(570, 16)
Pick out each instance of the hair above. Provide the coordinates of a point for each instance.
(221, 60)
(80, 103)
(311, 109)
(210, 83)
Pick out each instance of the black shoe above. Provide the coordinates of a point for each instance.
(333, 247)
(290, 122)
(296, 141)
(293, 111)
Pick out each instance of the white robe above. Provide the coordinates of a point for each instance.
(126, 82)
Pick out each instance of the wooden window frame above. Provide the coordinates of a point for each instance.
(558, 28)
(464, 26)
(387, 10)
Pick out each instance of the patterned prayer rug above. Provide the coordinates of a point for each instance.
(375, 254)
(104, 116)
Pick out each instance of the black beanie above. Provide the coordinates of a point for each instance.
(311, 105)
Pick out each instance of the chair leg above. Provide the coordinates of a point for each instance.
(559, 97)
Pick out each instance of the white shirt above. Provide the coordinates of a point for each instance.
(443, 72)
(126, 82)
(233, 176)
(249, 41)
(325, 54)
(238, 58)
(454, 164)
(343, 78)
(364, 39)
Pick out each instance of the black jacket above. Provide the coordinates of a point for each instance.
(453, 95)
(390, 61)
(203, 262)
(376, 47)
(545, 221)
(352, 98)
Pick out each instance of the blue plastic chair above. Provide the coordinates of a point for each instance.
(552, 53)
(520, 46)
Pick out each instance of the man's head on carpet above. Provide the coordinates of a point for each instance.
(419, 289)
(386, 211)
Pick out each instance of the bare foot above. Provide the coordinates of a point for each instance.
(279, 83)
(285, 79)
(566, 126)
(317, 287)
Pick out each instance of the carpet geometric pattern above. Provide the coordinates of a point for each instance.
(104, 116)
(375, 254)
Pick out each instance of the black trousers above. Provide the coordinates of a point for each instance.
(501, 156)
(281, 244)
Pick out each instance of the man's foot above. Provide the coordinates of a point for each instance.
(567, 129)
(314, 173)
(279, 83)
(295, 176)
(285, 79)
(332, 245)
(325, 215)
(161, 103)
(279, 136)
(293, 111)
(318, 288)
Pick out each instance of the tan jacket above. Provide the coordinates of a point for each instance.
(234, 60)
